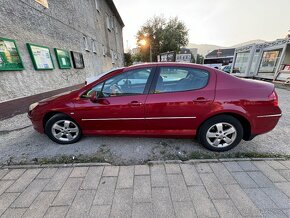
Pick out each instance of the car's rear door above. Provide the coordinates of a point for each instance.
(179, 97)
(121, 108)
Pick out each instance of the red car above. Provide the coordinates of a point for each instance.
(162, 99)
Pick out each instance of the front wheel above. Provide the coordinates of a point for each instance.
(221, 133)
(62, 129)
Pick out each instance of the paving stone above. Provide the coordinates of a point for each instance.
(6, 199)
(14, 174)
(184, 209)
(203, 168)
(202, 203)
(285, 174)
(222, 174)
(244, 180)
(56, 212)
(79, 172)
(233, 166)
(178, 188)
(93, 177)
(284, 187)
(287, 212)
(23, 181)
(67, 193)
(163, 209)
(81, 204)
(58, 179)
(125, 178)
(142, 189)
(286, 163)
(105, 191)
(4, 184)
(247, 166)
(111, 171)
(102, 211)
(31, 192)
(142, 210)
(3, 173)
(46, 173)
(172, 168)
(279, 198)
(158, 176)
(244, 204)
(40, 205)
(161, 194)
(213, 186)
(122, 203)
(14, 212)
(273, 213)
(260, 199)
(276, 165)
(190, 174)
(226, 208)
(260, 179)
(273, 175)
(142, 170)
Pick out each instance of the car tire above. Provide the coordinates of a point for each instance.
(62, 129)
(221, 133)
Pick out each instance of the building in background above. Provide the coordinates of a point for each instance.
(47, 45)
(219, 57)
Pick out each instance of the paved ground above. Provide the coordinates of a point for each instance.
(214, 189)
(26, 145)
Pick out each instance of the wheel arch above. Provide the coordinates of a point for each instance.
(243, 120)
(50, 114)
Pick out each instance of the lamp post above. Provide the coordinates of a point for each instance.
(143, 42)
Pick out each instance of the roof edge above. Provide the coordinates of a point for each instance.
(115, 11)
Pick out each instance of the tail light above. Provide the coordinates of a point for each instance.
(274, 98)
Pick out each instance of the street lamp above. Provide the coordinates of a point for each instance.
(143, 42)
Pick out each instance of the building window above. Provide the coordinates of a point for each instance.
(86, 44)
(104, 50)
(94, 46)
(97, 5)
(112, 22)
(108, 22)
(113, 57)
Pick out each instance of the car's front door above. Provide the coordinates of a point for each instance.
(121, 105)
(180, 96)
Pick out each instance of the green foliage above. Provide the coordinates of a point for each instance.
(161, 36)
(128, 59)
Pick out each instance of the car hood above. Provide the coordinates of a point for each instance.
(58, 97)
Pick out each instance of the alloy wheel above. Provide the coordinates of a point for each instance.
(65, 130)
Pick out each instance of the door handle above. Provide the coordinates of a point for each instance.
(201, 100)
(135, 103)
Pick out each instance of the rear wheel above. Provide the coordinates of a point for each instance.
(221, 133)
(62, 129)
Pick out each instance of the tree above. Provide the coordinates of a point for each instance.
(160, 36)
(128, 59)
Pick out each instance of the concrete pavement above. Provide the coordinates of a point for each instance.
(197, 189)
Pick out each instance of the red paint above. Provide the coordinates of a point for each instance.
(137, 114)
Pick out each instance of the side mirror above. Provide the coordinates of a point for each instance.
(94, 97)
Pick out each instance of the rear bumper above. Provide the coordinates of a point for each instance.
(264, 123)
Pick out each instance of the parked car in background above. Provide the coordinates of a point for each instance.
(226, 68)
(162, 99)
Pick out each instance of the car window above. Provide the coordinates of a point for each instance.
(174, 79)
(128, 83)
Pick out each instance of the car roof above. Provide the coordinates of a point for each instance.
(160, 64)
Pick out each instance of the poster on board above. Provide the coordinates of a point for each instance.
(63, 58)
(40, 56)
(9, 56)
(78, 60)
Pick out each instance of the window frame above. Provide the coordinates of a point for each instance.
(146, 89)
(156, 76)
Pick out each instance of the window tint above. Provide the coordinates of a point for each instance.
(174, 79)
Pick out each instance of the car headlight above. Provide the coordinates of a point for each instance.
(32, 106)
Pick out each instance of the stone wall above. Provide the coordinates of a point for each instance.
(63, 25)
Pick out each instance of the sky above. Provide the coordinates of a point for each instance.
(219, 22)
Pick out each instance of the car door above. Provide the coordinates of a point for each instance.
(178, 98)
(120, 106)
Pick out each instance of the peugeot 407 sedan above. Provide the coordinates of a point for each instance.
(162, 100)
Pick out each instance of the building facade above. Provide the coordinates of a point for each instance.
(91, 28)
